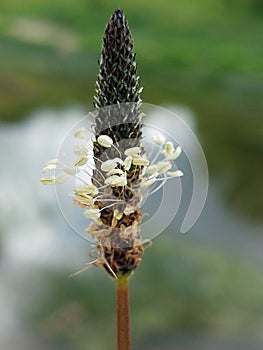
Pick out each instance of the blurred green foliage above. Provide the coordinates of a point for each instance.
(181, 48)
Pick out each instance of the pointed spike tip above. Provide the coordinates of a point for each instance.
(118, 12)
(118, 81)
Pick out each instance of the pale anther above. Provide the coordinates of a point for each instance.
(115, 171)
(92, 213)
(110, 164)
(117, 214)
(163, 167)
(80, 134)
(127, 163)
(116, 180)
(105, 141)
(81, 161)
(132, 151)
(159, 139)
(140, 161)
(152, 169)
(169, 147)
(149, 182)
(176, 173)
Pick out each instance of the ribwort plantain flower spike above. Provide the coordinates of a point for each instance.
(118, 84)
(112, 171)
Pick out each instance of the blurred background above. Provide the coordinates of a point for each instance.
(202, 290)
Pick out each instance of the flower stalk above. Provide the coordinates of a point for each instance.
(123, 314)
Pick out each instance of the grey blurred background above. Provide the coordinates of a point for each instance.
(202, 290)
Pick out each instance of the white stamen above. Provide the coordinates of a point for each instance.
(81, 161)
(110, 164)
(117, 214)
(92, 189)
(71, 171)
(149, 182)
(152, 169)
(92, 213)
(133, 151)
(52, 180)
(169, 147)
(116, 180)
(163, 167)
(49, 180)
(83, 201)
(129, 210)
(105, 141)
(53, 162)
(176, 153)
(49, 167)
(159, 139)
(80, 134)
(128, 163)
(89, 190)
(140, 161)
(176, 173)
(115, 171)
(80, 150)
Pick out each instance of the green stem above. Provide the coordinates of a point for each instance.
(123, 314)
